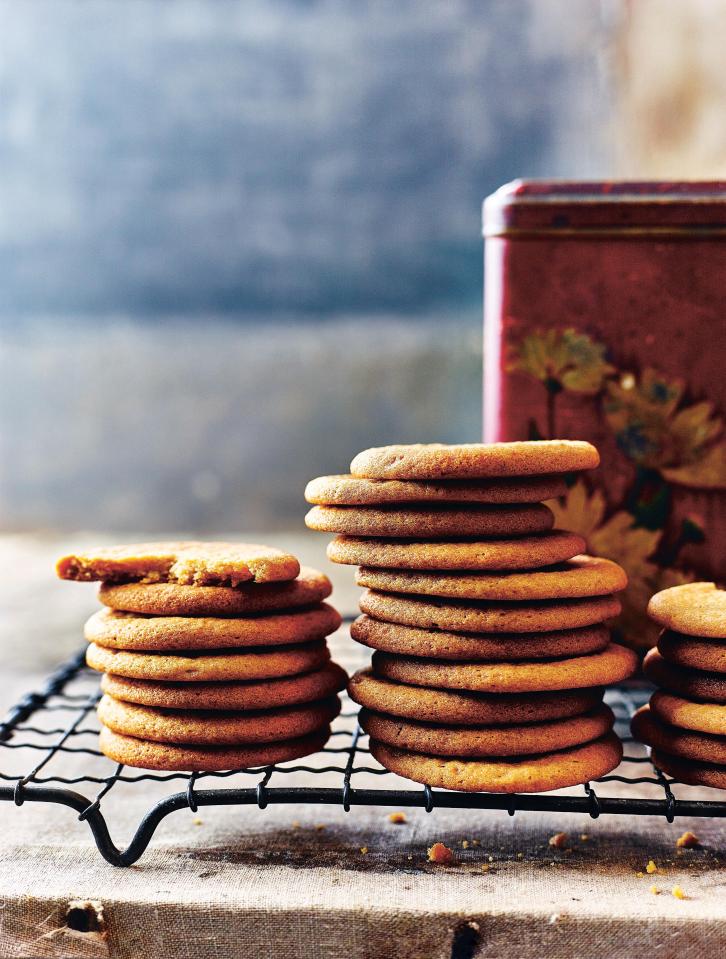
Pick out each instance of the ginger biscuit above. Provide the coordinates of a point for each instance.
(576, 578)
(437, 644)
(216, 728)
(437, 461)
(700, 747)
(612, 665)
(164, 756)
(431, 522)
(236, 695)
(462, 708)
(690, 651)
(525, 552)
(691, 683)
(700, 717)
(173, 599)
(484, 617)
(117, 630)
(209, 667)
(478, 741)
(538, 773)
(187, 563)
(347, 490)
(698, 609)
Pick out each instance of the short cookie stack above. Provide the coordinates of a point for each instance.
(213, 654)
(685, 723)
(491, 649)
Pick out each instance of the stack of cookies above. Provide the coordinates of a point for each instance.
(213, 654)
(685, 723)
(491, 649)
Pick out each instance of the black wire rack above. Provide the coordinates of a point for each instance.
(48, 754)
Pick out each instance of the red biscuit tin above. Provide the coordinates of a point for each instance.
(605, 319)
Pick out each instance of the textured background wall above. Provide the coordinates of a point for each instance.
(240, 240)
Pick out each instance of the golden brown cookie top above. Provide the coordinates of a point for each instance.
(174, 599)
(698, 609)
(435, 461)
(190, 563)
(686, 743)
(347, 490)
(678, 711)
(576, 577)
(525, 552)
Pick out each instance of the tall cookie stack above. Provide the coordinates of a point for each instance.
(213, 654)
(685, 723)
(491, 649)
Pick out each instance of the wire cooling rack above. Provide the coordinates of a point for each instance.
(48, 754)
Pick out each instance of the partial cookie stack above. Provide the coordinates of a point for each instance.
(491, 649)
(213, 654)
(685, 723)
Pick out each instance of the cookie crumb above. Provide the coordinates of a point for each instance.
(476, 842)
(678, 893)
(397, 817)
(295, 824)
(320, 826)
(558, 840)
(197, 822)
(440, 853)
(520, 855)
(651, 867)
(687, 841)
(464, 843)
(485, 867)
(409, 858)
(655, 890)
(584, 837)
(364, 850)
(491, 858)
(639, 875)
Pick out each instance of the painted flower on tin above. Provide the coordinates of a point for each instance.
(668, 442)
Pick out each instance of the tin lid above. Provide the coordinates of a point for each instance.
(606, 208)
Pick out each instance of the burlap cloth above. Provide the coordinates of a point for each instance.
(293, 882)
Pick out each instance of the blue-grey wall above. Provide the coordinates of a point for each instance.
(239, 239)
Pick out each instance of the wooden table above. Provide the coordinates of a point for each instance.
(295, 882)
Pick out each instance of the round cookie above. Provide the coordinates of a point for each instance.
(477, 741)
(578, 577)
(691, 683)
(430, 522)
(539, 773)
(436, 644)
(482, 617)
(216, 728)
(190, 563)
(687, 771)
(113, 629)
(436, 461)
(683, 650)
(209, 667)
(526, 552)
(700, 747)
(464, 708)
(698, 609)
(347, 490)
(255, 695)
(612, 665)
(174, 599)
(150, 755)
(676, 711)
